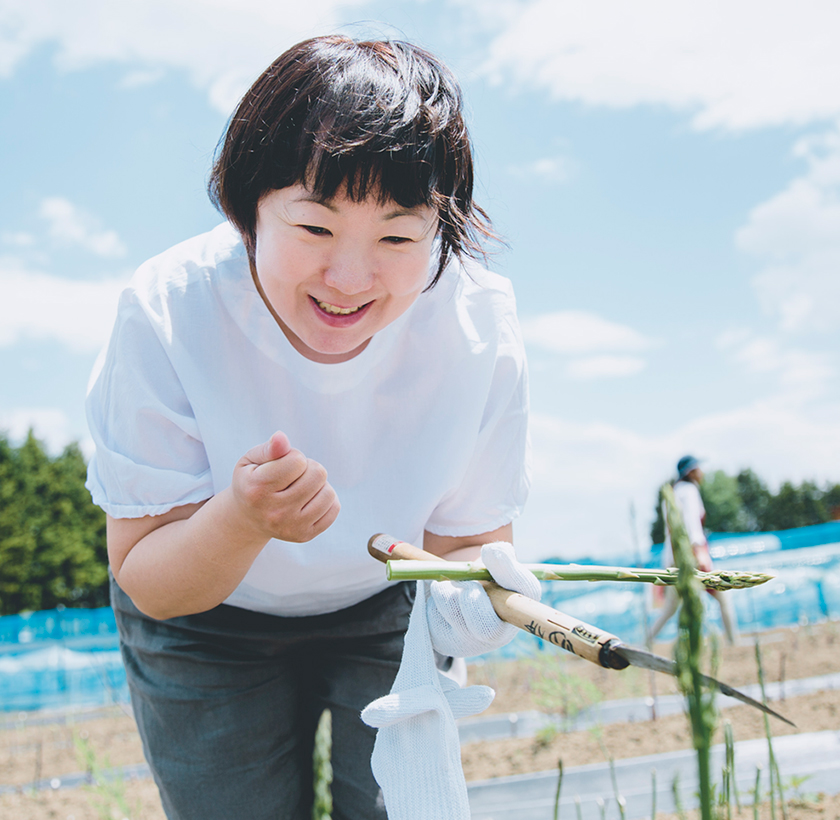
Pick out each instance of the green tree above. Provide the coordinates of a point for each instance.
(52, 537)
(796, 507)
(755, 497)
(723, 503)
(657, 529)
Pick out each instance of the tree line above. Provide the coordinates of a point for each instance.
(52, 537)
(744, 503)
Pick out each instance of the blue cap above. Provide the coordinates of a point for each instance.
(686, 464)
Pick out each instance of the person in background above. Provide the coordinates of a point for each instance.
(690, 503)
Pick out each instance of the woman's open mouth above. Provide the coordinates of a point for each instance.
(337, 315)
(337, 311)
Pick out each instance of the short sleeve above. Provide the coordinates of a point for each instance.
(149, 454)
(498, 477)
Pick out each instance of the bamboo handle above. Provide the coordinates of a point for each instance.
(556, 627)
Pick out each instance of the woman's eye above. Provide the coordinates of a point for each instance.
(315, 230)
(396, 240)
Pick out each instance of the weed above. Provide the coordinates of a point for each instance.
(544, 736)
(799, 798)
(106, 786)
(559, 692)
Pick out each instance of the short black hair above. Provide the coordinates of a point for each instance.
(379, 118)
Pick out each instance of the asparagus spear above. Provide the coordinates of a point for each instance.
(474, 571)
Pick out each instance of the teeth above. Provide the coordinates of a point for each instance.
(337, 311)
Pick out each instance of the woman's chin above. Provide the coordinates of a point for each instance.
(329, 351)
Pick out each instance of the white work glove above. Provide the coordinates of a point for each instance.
(417, 757)
(462, 621)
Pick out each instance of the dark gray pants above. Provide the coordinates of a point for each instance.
(227, 701)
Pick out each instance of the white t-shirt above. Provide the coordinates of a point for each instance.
(425, 429)
(690, 504)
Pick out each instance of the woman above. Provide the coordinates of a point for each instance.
(334, 323)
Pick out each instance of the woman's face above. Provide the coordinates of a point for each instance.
(335, 272)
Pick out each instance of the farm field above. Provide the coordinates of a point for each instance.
(29, 752)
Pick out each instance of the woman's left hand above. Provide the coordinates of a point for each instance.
(462, 621)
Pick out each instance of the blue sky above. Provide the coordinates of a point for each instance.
(666, 177)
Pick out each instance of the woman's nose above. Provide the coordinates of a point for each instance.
(350, 271)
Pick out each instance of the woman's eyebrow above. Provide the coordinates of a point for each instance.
(416, 210)
(317, 200)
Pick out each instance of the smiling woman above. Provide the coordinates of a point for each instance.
(334, 323)
(335, 272)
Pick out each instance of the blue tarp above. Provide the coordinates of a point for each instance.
(70, 657)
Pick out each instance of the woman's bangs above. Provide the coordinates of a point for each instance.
(386, 176)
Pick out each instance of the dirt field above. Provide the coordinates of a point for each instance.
(557, 682)
(563, 684)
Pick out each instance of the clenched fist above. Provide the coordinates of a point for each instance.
(283, 493)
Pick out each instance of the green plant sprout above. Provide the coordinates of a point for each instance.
(729, 741)
(619, 799)
(675, 790)
(775, 779)
(557, 793)
(653, 794)
(322, 806)
(689, 651)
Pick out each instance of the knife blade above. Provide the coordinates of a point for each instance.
(647, 660)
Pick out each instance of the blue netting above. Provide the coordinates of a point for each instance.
(60, 657)
(806, 562)
(70, 657)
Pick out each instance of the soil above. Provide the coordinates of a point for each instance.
(554, 682)
(562, 684)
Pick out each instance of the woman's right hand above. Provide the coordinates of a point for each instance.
(193, 557)
(282, 493)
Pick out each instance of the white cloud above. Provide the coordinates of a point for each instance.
(804, 296)
(731, 338)
(20, 239)
(802, 374)
(797, 368)
(36, 305)
(598, 367)
(49, 424)
(733, 65)
(71, 225)
(796, 234)
(546, 169)
(137, 79)
(579, 331)
(587, 474)
(596, 348)
(221, 44)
